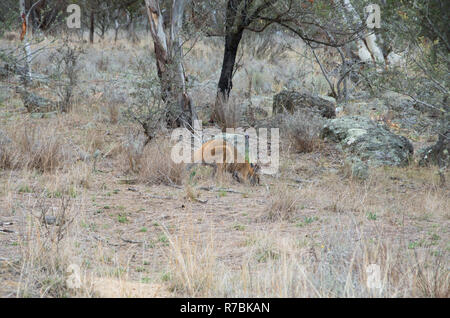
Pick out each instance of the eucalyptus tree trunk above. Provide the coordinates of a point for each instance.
(368, 50)
(225, 85)
(131, 29)
(237, 18)
(116, 24)
(25, 38)
(169, 62)
(91, 26)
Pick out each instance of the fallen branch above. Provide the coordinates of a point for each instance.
(7, 231)
(200, 201)
(298, 180)
(220, 190)
(101, 239)
(128, 181)
(130, 241)
(151, 195)
(158, 197)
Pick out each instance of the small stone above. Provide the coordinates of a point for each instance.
(49, 219)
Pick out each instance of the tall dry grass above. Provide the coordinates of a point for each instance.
(192, 264)
(277, 265)
(302, 130)
(152, 162)
(46, 249)
(32, 146)
(227, 112)
(282, 203)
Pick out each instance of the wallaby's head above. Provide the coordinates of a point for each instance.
(254, 174)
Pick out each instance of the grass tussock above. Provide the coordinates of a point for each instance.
(282, 203)
(45, 247)
(227, 113)
(152, 162)
(302, 130)
(38, 147)
(192, 264)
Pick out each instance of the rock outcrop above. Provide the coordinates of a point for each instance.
(292, 101)
(371, 143)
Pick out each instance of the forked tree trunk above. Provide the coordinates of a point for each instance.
(368, 49)
(169, 62)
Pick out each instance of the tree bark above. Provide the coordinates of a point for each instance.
(27, 77)
(116, 24)
(234, 29)
(131, 29)
(92, 27)
(229, 59)
(169, 62)
(239, 15)
(368, 49)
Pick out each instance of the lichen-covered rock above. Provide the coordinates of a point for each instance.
(398, 110)
(370, 142)
(292, 101)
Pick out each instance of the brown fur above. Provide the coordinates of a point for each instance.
(239, 166)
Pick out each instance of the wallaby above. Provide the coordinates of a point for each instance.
(217, 152)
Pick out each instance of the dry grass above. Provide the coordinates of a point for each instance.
(192, 263)
(302, 130)
(277, 265)
(11, 36)
(282, 203)
(32, 146)
(153, 162)
(45, 246)
(158, 167)
(113, 111)
(227, 113)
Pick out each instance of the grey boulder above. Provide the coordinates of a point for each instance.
(370, 142)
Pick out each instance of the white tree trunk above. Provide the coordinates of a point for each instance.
(365, 52)
(156, 21)
(169, 57)
(176, 45)
(26, 43)
(371, 41)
